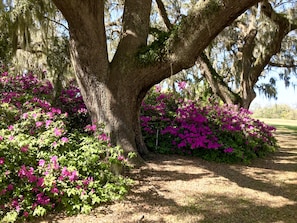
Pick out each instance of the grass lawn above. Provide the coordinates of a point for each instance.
(281, 124)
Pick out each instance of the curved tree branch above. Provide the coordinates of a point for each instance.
(216, 82)
(136, 18)
(164, 14)
(188, 40)
(277, 18)
(284, 26)
(282, 65)
(58, 23)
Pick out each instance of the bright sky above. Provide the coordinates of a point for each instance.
(285, 95)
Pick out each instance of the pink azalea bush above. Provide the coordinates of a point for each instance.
(45, 164)
(223, 133)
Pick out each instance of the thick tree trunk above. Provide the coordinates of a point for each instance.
(110, 93)
(114, 102)
(118, 107)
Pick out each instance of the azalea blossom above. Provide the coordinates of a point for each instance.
(41, 162)
(73, 176)
(182, 85)
(47, 123)
(24, 149)
(58, 132)
(228, 150)
(54, 161)
(38, 124)
(64, 139)
(10, 187)
(2, 160)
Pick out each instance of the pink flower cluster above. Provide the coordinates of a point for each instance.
(193, 128)
(37, 181)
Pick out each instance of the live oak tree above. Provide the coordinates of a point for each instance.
(114, 89)
(259, 40)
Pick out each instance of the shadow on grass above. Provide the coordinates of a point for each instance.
(222, 209)
(234, 174)
(211, 207)
(284, 127)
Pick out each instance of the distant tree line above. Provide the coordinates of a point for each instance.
(280, 111)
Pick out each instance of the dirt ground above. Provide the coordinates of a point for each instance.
(187, 189)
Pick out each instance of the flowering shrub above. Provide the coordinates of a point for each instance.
(158, 111)
(215, 132)
(45, 164)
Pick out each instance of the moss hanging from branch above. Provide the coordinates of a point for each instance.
(156, 50)
(159, 48)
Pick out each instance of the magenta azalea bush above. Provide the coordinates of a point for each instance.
(223, 133)
(46, 164)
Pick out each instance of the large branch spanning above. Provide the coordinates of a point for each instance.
(216, 82)
(202, 24)
(185, 43)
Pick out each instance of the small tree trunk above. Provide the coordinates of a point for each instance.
(218, 86)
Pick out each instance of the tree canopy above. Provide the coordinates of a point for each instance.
(255, 43)
(248, 49)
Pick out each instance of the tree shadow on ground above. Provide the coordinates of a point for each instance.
(212, 207)
(234, 174)
(285, 159)
(225, 209)
(148, 200)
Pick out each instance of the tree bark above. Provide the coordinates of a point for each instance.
(113, 91)
(164, 14)
(247, 91)
(216, 82)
